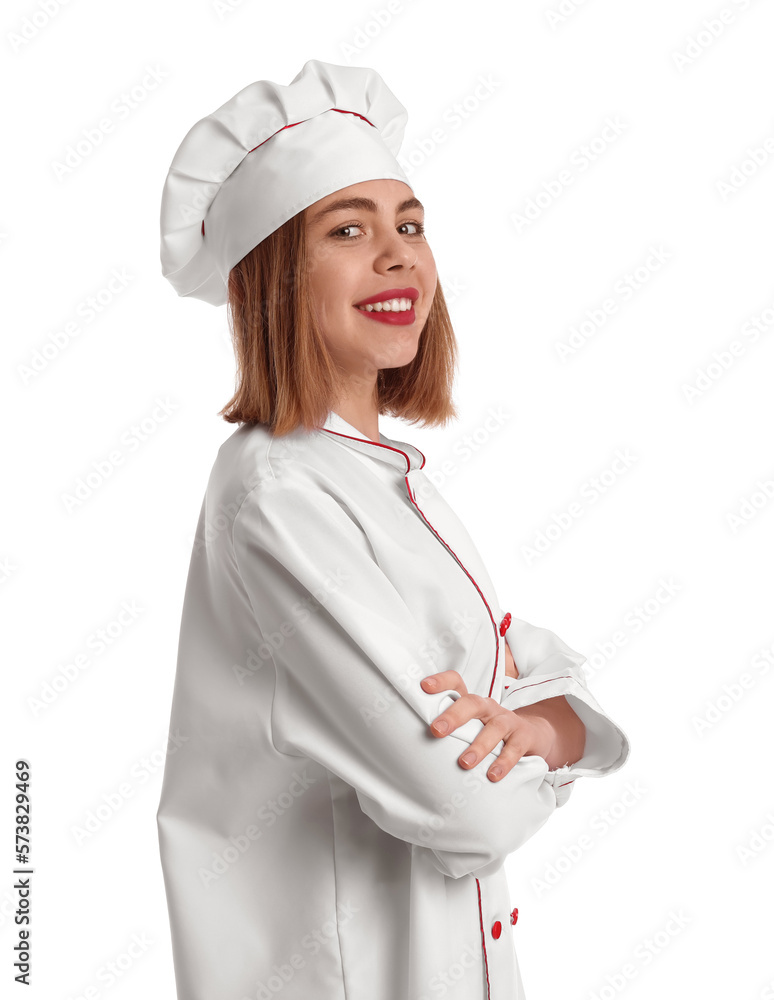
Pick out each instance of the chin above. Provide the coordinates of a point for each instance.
(397, 359)
(398, 354)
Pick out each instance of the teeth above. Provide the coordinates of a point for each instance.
(389, 305)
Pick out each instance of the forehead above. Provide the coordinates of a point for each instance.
(367, 196)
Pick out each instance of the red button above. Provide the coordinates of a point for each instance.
(504, 624)
(497, 929)
(514, 915)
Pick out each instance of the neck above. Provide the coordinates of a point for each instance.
(359, 408)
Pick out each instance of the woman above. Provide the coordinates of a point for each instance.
(321, 836)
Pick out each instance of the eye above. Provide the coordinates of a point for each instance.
(350, 225)
(419, 230)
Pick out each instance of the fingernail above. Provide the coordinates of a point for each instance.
(496, 772)
(441, 727)
(468, 758)
(430, 681)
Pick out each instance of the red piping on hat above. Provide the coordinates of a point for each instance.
(292, 124)
(343, 112)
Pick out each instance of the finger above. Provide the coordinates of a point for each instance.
(444, 680)
(463, 709)
(506, 761)
(494, 732)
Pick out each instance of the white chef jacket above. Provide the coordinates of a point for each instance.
(316, 840)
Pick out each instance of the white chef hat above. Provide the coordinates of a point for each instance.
(265, 155)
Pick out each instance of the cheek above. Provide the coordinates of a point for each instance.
(330, 287)
(428, 273)
(323, 298)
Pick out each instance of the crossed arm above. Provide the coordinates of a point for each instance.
(550, 729)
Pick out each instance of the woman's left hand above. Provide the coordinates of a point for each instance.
(526, 733)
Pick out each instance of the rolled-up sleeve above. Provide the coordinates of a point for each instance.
(347, 655)
(548, 668)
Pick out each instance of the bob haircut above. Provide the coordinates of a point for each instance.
(286, 377)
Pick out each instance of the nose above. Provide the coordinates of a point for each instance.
(395, 252)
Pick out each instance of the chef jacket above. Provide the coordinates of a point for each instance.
(317, 841)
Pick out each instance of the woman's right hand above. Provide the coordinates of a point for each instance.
(522, 731)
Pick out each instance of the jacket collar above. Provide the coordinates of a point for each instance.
(401, 455)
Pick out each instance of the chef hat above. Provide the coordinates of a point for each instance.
(262, 157)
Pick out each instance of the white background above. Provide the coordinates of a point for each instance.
(657, 380)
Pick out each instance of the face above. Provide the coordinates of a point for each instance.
(372, 244)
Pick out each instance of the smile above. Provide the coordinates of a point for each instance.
(388, 305)
(398, 312)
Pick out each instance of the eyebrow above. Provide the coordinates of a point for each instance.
(363, 205)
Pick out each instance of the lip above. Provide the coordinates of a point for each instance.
(391, 318)
(391, 293)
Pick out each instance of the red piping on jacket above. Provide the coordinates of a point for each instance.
(494, 674)
(491, 616)
(378, 444)
(483, 938)
(412, 498)
(548, 680)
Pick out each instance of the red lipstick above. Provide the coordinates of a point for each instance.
(391, 293)
(403, 318)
